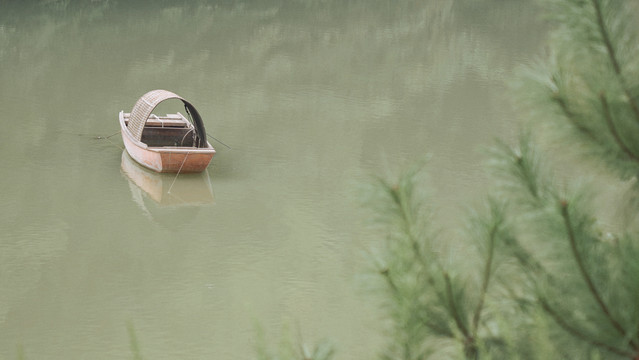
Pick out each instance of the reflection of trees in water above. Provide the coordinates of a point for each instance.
(313, 60)
(326, 36)
(366, 56)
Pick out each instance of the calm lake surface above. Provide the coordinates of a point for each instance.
(313, 97)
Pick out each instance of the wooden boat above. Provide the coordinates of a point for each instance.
(169, 143)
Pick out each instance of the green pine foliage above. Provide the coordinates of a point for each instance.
(436, 308)
(575, 271)
(589, 86)
(549, 280)
(289, 348)
(551, 277)
(134, 344)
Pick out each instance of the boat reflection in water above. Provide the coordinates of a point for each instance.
(169, 194)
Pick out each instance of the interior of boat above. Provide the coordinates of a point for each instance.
(171, 130)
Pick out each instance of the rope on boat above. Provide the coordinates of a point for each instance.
(158, 119)
(107, 138)
(184, 137)
(178, 172)
(211, 136)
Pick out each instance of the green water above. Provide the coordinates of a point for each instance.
(313, 97)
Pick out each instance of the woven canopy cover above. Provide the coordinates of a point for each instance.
(149, 101)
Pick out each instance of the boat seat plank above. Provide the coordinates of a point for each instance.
(170, 120)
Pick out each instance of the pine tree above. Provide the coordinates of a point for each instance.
(551, 280)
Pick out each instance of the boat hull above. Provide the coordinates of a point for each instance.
(164, 189)
(166, 159)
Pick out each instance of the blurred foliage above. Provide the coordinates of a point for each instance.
(548, 278)
(291, 347)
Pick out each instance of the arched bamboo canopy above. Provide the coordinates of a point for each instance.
(149, 101)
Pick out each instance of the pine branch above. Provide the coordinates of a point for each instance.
(397, 294)
(603, 30)
(519, 170)
(572, 118)
(391, 283)
(526, 259)
(470, 347)
(605, 36)
(613, 130)
(486, 278)
(525, 166)
(439, 329)
(584, 273)
(563, 323)
(398, 196)
(453, 307)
